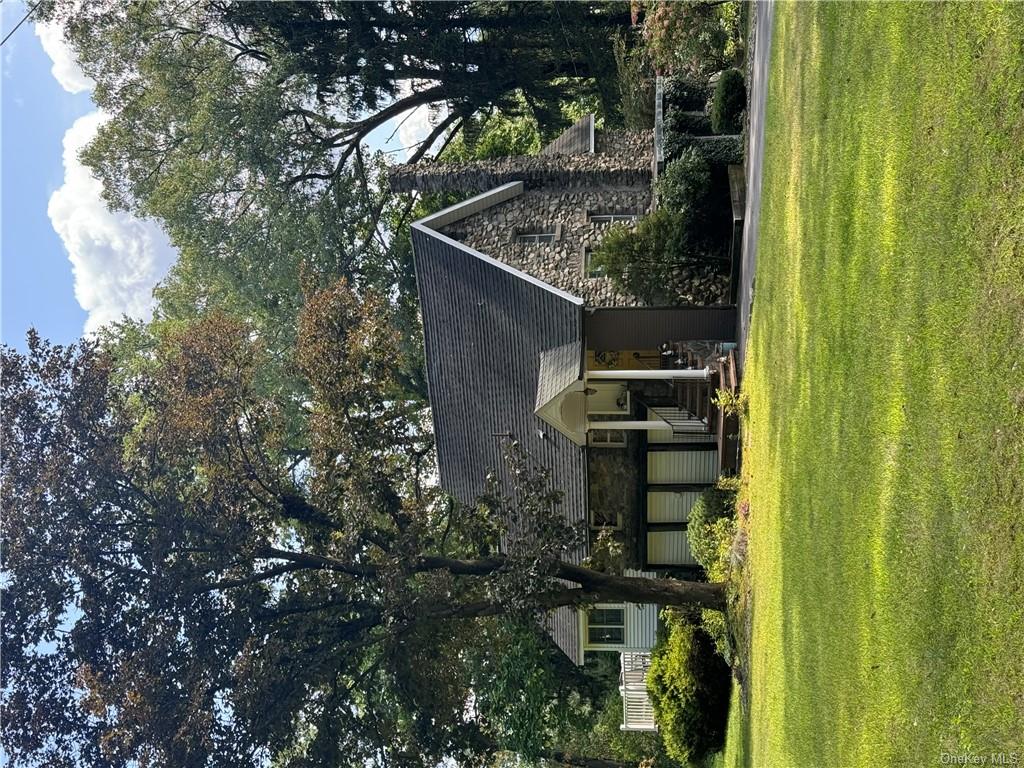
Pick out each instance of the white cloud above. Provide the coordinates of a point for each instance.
(116, 258)
(65, 69)
(414, 125)
(415, 129)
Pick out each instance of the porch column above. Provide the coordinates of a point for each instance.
(701, 374)
(647, 425)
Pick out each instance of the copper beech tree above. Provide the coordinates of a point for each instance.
(179, 590)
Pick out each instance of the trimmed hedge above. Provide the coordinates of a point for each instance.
(717, 150)
(728, 103)
(686, 94)
(689, 686)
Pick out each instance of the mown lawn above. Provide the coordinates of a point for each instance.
(885, 372)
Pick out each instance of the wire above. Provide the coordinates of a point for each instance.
(29, 13)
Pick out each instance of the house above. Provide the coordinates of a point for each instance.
(526, 339)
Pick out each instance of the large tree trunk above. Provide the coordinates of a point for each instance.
(634, 589)
(594, 586)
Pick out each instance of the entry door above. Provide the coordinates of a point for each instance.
(671, 477)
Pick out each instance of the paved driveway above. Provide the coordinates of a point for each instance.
(764, 10)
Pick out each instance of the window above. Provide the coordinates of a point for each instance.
(603, 518)
(606, 626)
(590, 268)
(607, 438)
(602, 220)
(535, 238)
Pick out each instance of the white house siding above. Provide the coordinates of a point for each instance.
(641, 619)
(669, 548)
(670, 506)
(682, 466)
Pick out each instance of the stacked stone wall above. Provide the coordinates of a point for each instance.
(613, 476)
(557, 171)
(632, 144)
(561, 263)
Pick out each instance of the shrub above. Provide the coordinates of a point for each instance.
(691, 122)
(686, 93)
(690, 188)
(717, 150)
(728, 103)
(640, 260)
(661, 262)
(711, 528)
(689, 686)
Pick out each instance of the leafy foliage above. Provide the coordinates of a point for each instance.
(182, 588)
(635, 77)
(522, 701)
(685, 93)
(691, 37)
(729, 102)
(600, 733)
(708, 536)
(712, 530)
(689, 687)
(637, 259)
(717, 150)
(690, 228)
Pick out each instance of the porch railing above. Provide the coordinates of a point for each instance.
(637, 712)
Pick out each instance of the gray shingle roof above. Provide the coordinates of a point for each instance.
(485, 327)
(559, 367)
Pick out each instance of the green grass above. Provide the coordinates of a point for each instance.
(885, 453)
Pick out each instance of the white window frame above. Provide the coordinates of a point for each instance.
(535, 238)
(585, 627)
(591, 274)
(611, 218)
(606, 438)
(542, 234)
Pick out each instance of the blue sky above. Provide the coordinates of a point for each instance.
(68, 264)
(38, 288)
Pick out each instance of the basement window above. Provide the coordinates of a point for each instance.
(607, 438)
(604, 518)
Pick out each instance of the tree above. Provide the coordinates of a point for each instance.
(180, 590)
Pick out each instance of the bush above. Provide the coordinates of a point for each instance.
(640, 260)
(661, 261)
(600, 734)
(689, 686)
(686, 94)
(728, 103)
(690, 188)
(711, 527)
(717, 150)
(711, 530)
(696, 123)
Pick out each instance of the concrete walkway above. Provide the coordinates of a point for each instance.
(758, 85)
